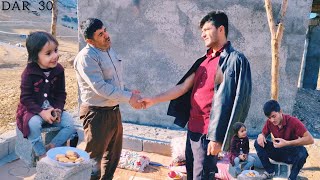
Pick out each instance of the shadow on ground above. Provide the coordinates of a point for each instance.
(8, 65)
(312, 168)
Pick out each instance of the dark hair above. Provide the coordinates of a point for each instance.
(89, 26)
(237, 126)
(35, 42)
(270, 106)
(218, 18)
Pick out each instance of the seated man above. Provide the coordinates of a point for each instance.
(288, 139)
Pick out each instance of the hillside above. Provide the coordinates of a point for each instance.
(14, 23)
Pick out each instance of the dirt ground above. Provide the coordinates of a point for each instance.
(13, 60)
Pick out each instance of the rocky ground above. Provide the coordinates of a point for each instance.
(307, 103)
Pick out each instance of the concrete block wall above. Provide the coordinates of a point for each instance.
(46, 169)
(7, 143)
(135, 144)
(4, 148)
(160, 42)
(136, 137)
(146, 145)
(158, 147)
(23, 148)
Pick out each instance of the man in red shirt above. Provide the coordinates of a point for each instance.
(288, 139)
(213, 95)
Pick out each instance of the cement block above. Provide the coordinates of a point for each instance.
(23, 147)
(282, 169)
(9, 137)
(4, 147)
(132, 143)
(11, 146)
(9, 158)
(158, 147)
(50, 170)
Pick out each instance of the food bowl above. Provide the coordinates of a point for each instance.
(250, 173)
(52, 155)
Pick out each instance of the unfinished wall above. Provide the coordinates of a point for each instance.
(311, 71)
(160, 39)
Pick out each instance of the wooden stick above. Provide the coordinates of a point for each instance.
(275, 69)
(270, 18)
(283, 10)
(279, 34)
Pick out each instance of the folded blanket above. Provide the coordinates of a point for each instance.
(133, 161)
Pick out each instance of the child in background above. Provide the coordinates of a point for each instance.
(43, 94)
(240, 148)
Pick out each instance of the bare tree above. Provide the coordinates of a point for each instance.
(54, 17)
(276, 37)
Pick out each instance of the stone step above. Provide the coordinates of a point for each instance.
(136, 137)
(7, 143)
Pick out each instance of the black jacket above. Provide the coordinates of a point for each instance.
(231, 100)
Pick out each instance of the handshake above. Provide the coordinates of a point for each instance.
(137, 102)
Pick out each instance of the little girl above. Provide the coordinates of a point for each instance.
(43, 94)
(240, 148)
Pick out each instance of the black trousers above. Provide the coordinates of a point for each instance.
(295, 155)
(199, 166)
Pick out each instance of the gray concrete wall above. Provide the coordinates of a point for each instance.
(160, 42)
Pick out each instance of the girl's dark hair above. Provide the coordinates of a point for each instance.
(35, 42)
(236, 127)
(218, 18)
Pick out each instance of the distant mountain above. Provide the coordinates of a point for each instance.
(68, 13)
(15, 24)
